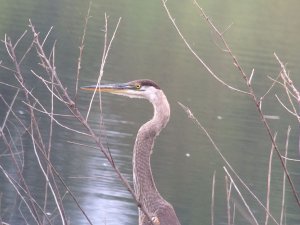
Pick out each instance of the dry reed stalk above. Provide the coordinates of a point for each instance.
(212, 207)
(269, 184)
(58, 92)
(282, 213)
(199, 125)
(252, 218)
(228, 189)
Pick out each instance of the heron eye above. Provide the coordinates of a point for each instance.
(138, 86)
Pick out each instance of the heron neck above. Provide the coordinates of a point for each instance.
(142, 174)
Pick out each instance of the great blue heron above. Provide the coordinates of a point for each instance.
(160, 211)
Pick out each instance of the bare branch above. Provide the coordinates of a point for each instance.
(196, 55)
(45, 62)
(257, 101)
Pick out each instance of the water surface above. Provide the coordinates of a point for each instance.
(147, 46)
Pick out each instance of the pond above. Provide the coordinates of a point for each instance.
(184, 161)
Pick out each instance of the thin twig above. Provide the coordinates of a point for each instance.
(19, 78)
(106, 49)
(270, 88)
(13, 183)
(19, 39)
(9, 110)
(286, 108)
(59, 207)
(81, 47)
(47, 35)
(48, 171)
(196, 55)
(56, 121)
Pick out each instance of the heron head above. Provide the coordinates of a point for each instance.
(133, 89)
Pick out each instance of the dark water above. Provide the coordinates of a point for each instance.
(184, 161)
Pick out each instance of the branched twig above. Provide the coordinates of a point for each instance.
(250, 92)
(287, 80)
(290, 88)
(196, 55)
(46, 63)
(106, 49)
(18, 75)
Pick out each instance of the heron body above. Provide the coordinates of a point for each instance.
(160, 211)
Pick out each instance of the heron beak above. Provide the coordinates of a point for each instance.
(110, 88)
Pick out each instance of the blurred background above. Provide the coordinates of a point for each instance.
(147, 46)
